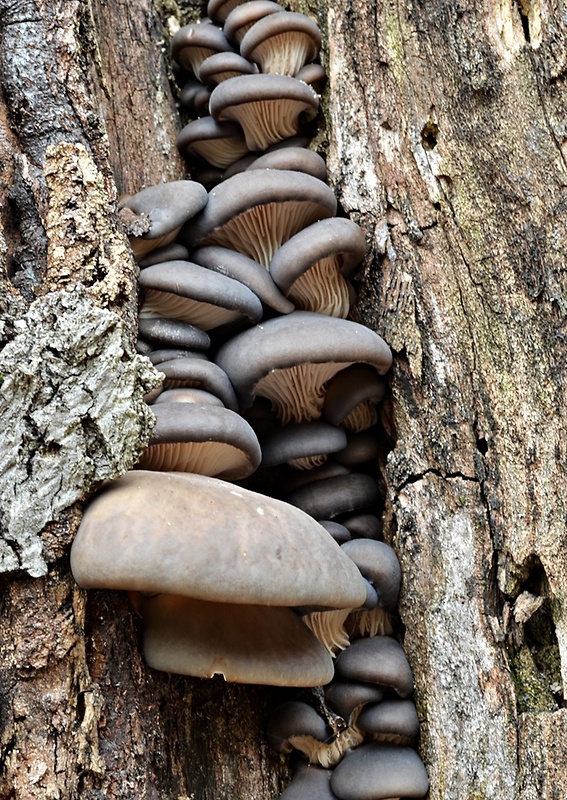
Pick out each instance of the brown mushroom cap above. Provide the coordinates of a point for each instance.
(255, 212)
(192, 44)
(200, 537)
(380, 772)
(290, 359)
(243, 643)
(204, 439)
(269, 108)
(282, 43)
(219, 143)
(242, 17)
(194, 97)
(198, 296)
(310, 268)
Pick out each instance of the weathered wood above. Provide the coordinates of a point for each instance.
(448, 144)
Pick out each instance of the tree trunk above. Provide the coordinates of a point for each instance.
(445, 133)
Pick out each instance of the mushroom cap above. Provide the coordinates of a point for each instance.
(175, 251)
(188, 395)
(351, 399)
(162, 332)
(243, 643)
(379, 564)
(304, 446)
(200, 537)
(282, 43)
(311, 73)
(196, 295)
(292, 719)
(246, 270)
(167, 205)
(255, 212)
(310, 781)
(169, 354)
(186, 371)
(194, 97)
(301, 338)
(298, 159)
(338, 531)
(326, 499)
(346, 696)
(193, 43)
(269, 108)
(221, 66)
(390, 718)
(362, 447)
(206, 439)
(242, 17)
(377, 659)
(219, 143)
(363, 525)
(377, 772)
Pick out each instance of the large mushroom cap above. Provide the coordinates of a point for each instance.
(268, 107)
(290, 359)
(380, 772)
(282, 43)
(255, 212)
(196, 295)
(200, 537)
(243, 643)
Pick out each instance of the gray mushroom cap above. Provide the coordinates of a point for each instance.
(295, 719)
(362, 447)
(269, 108)
(304, 339)
(219, 143)
(380, 772)
(309, 781)
(222, 66)
(200, 537)
(243, 643)
(298, 159)
(169, 353)
(204, 439)
(188, 395)
(326, 499)
(196, 295)
(379, 660)
(390, 718)
(351, 398)
(379, 564)
(338, 531)
(308, 444)
(241, 18)
(243, 209)
(311, 74)
(194, 97)
(201, 373)
(246, 270)
(282, 43)
(170, 252)
(162, 332)
(363, 525)
(192, 44)
(344, 697)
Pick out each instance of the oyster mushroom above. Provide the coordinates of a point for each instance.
(219, 143)
(282, 43)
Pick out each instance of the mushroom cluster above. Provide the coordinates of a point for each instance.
(248, 532)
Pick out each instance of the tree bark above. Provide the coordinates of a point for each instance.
(445, 134)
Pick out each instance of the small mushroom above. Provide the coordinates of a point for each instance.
(187, 370)
(309, 782)
(311, 267)
(393, 720)
(162, 332)
(363, 525)
(380, 772)
(313, 74)
(348, 698)
(222, 66)
(192, 44)
(244, 16)
(243, 643)
(269, 108)
(301, 446)
(290, 359)
(379, 660)
(339, 533)
(255, 212)
(219, 143)
(188, 396)
(361, 448)
(194, 97)
(326, 499)
(162, 209)
(282, 43)
(352, 398)
(170, 252)
(298, 159)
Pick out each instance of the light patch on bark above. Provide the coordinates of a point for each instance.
(72, 410)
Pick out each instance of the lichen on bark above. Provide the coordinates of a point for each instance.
(71, 402)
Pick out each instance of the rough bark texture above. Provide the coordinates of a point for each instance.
(446, 135)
